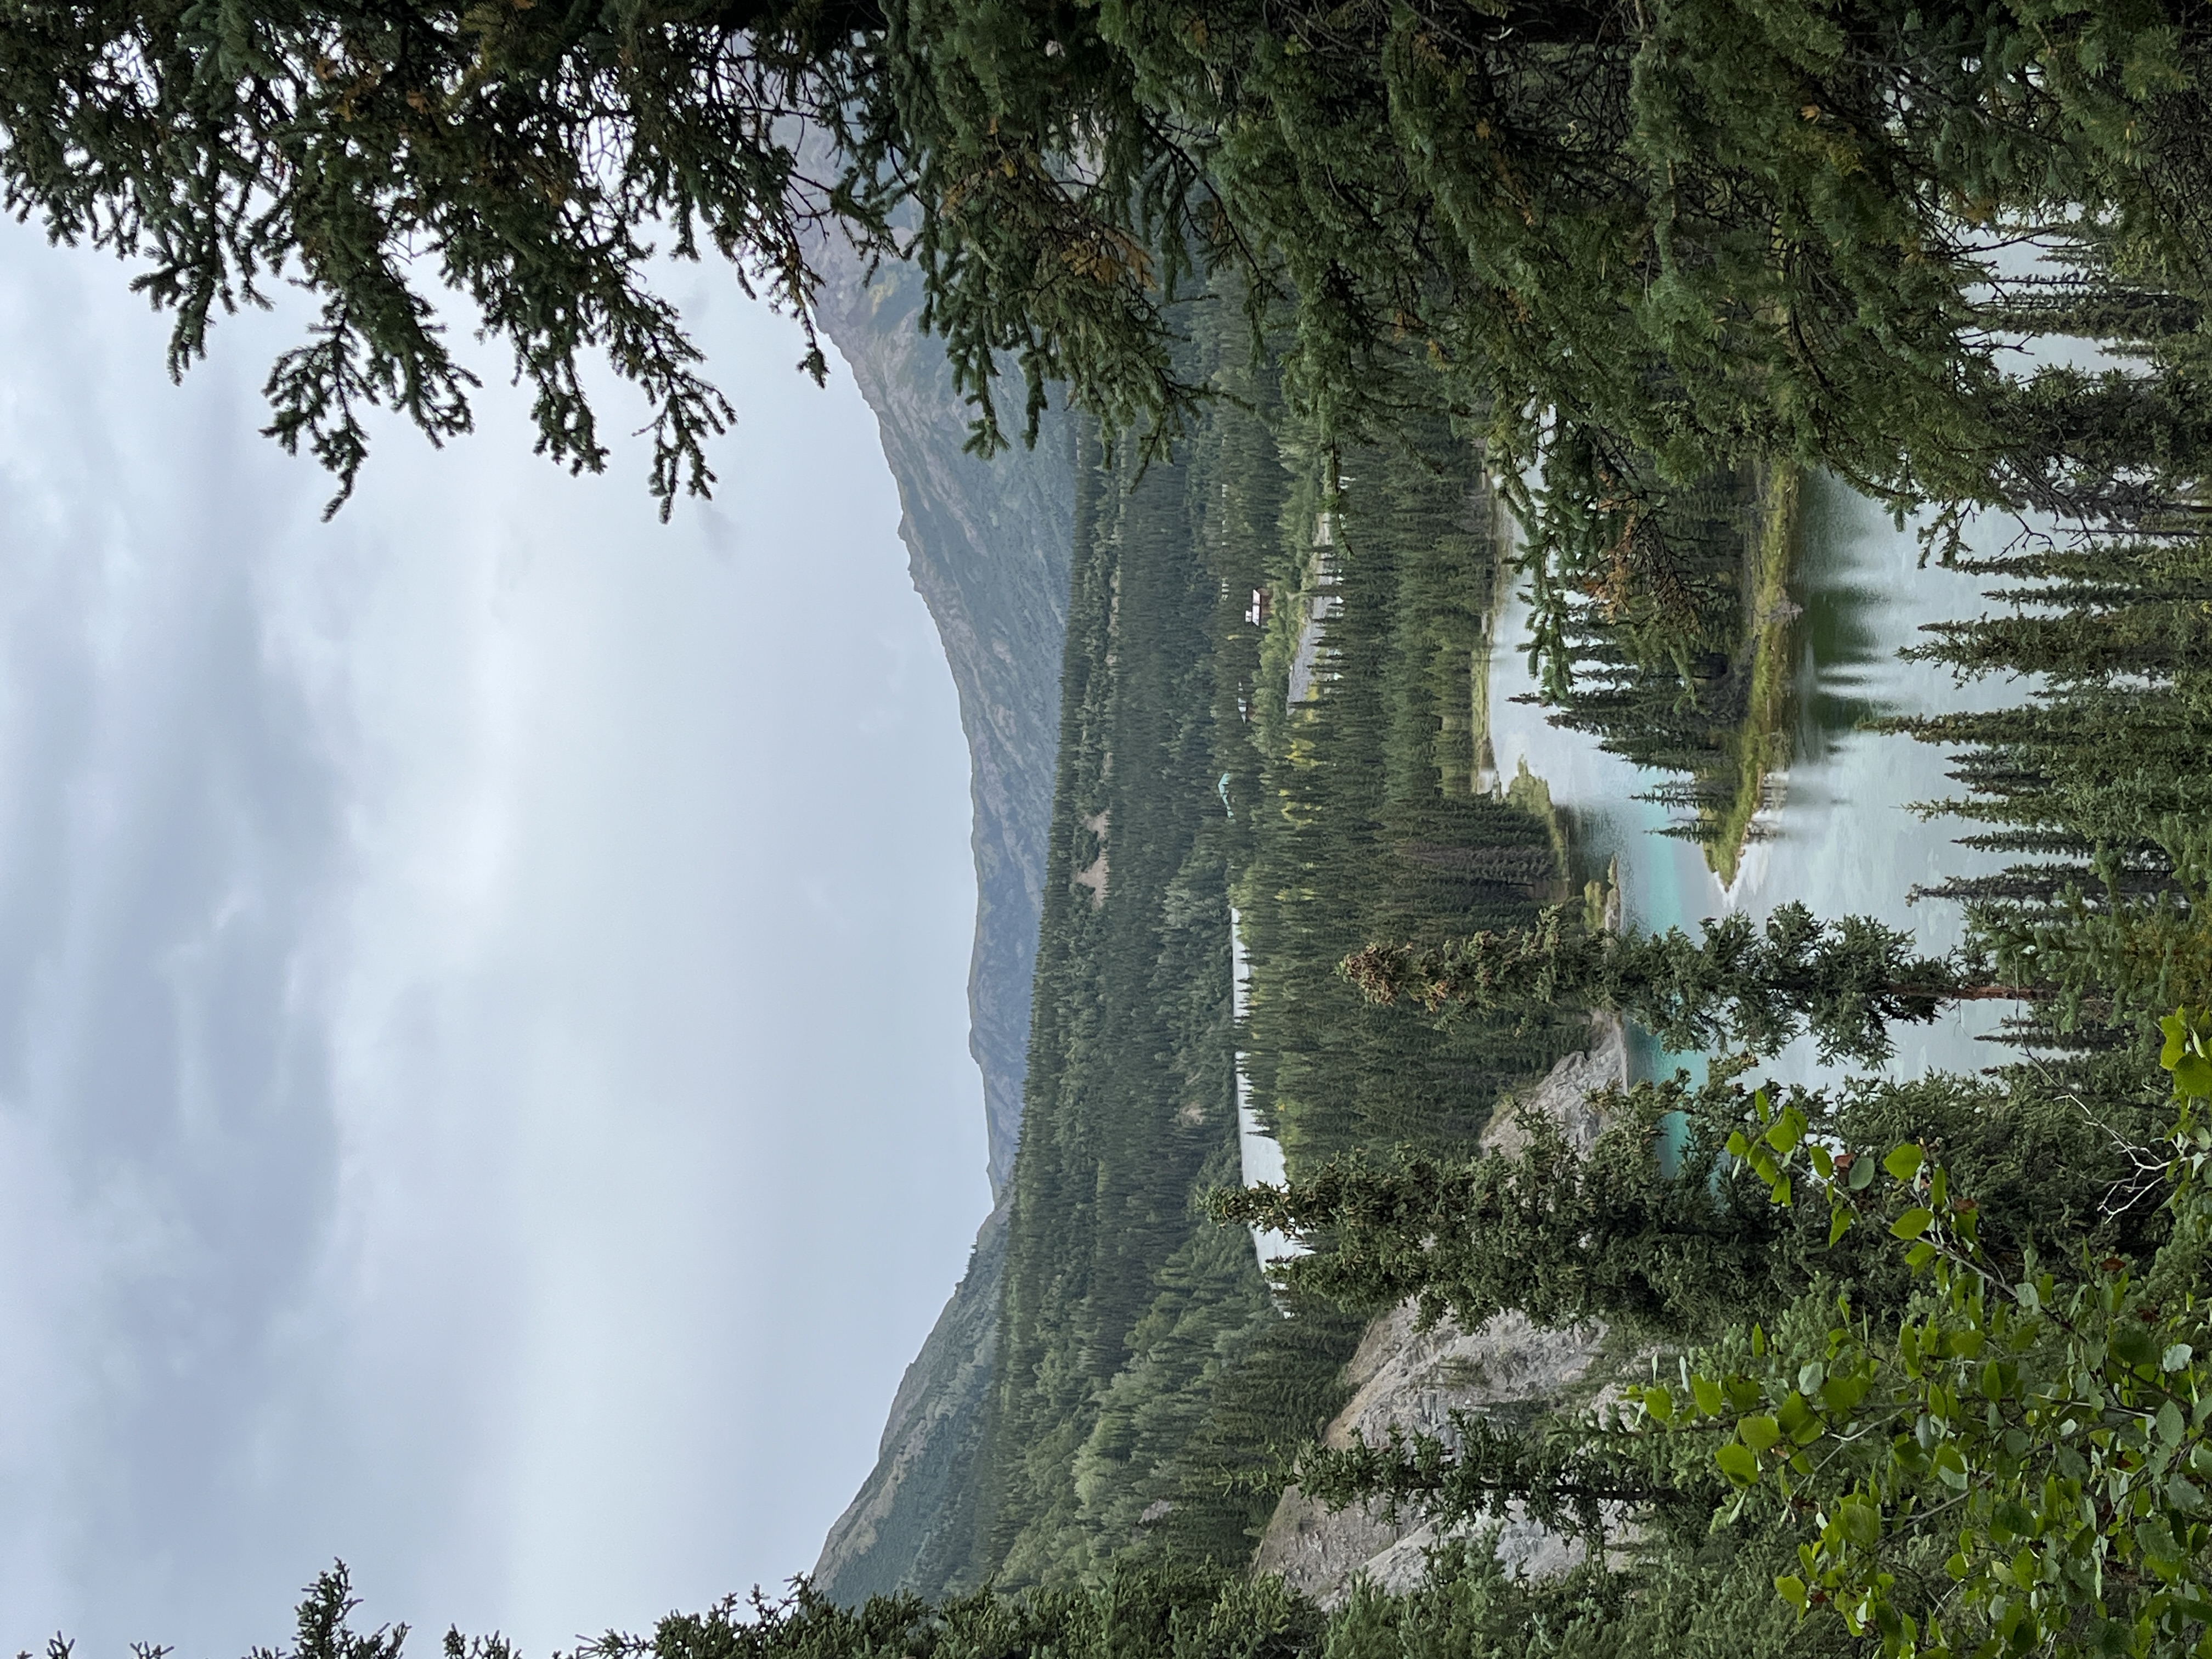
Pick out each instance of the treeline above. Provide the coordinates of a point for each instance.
(1274, 705)
(1151, 1391)
(1119, 1298)
(1358, 773)
(1676, 656)
(1929, 1373)
(2096, 784)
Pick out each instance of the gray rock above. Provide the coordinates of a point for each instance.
(1414, 1380)
(1566, 1093)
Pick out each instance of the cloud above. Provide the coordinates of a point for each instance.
(482, 1082)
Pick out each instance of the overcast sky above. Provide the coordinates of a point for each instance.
(483, 1088)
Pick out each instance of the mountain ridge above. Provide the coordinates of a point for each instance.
(989, 545)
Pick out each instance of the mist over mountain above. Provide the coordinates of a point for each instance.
(989, 545)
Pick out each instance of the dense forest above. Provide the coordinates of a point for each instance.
(1374, 316)
(1906, 1364)
(1363, 807)
(1120, 1300)
(1913, 1362)
(1686, 674)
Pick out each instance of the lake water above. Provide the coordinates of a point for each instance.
(1842, 837)
(1259, 1154)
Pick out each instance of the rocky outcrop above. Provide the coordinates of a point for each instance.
(988, 544)
(1414, 1380)
(1564, 1094)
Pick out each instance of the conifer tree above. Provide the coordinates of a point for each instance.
(1845, 981)
(526, 160)
(1698, 233)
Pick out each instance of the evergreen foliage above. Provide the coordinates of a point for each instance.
(1677, 1248)
(1122, 1304)
(2098, 774)
(1670, 647)
(1362, 804)
(1756, 987)
(1151, 1394)
(1155, 1609)
(529, 158)
(2014, 1469)
(1627, 241)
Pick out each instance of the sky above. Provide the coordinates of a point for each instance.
(484, 1084)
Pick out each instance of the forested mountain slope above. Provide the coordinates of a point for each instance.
(988, 546)
(1123, 1303)
(1151, 1392)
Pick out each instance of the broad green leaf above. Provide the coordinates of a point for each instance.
(1862, 1175)
(1861, 1522)
(1707, 1394)
(1904, 1162)
(2192, 1076)
(2170, 1424)
(1841, 1395)
(1796, 1416)
(2176, 1040)
(2157, 1539)
(1912, 1223)
(1791, 1589)
(1660, 1403)
(1759, 1432)
(1839, 1224)
(1738, 1463)
(2176, 1358)
(1950, 1465)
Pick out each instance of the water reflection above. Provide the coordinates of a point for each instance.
(1840, 648)
(1841, 834)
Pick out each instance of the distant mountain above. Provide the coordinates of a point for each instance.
(989, 545)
